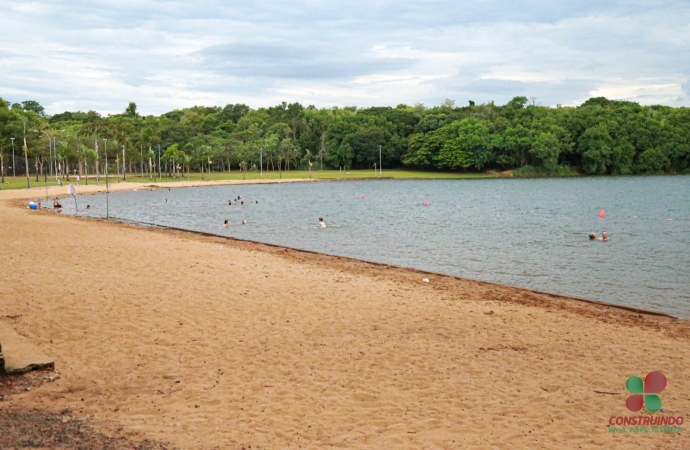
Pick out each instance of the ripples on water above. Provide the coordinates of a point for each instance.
(524, 232)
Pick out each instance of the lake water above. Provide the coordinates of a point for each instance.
(524, 232)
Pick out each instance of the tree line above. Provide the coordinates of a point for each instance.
(599, 137)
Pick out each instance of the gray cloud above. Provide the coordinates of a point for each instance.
(100, 55)
(306, 61)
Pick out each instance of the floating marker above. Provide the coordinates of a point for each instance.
(426, 203)
(362, 196)
(602, 213)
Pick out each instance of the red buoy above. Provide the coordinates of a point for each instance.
(362, 196)
(602, 213)
(426, 203)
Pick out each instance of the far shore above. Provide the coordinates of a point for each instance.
(205, 342)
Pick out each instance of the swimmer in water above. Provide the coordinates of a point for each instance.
(244, 222)
(322, 224)
(88, 206)
(225, 224)
(592, 236)
(56, 203)
(242, 203)
(166, 200)
(604, 236)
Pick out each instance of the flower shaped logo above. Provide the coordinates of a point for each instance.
(644, 392)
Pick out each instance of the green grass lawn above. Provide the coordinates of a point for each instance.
(20, 182)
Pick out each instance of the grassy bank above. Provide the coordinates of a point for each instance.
(20, 182)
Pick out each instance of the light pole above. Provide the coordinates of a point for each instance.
(50, 157)
(14, 171)
(107, 186)
(26, 163)
(55, 160)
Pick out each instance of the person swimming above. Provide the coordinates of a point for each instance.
(242, 203)
(244, 222)
(226, 223)
(592, 236)
(56, 203)
(604, 236)
(322, 224)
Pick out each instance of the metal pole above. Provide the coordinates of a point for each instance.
(159, 162)
(261, 161)
(107, 186)
(26, 164)
(50, 156)
(14, 164)
(55, 161)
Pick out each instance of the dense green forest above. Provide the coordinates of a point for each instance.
(599, 137)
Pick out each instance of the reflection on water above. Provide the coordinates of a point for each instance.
(530, 233)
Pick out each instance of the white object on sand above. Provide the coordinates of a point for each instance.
(426, 280)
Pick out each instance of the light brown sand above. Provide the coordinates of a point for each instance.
(278, 349)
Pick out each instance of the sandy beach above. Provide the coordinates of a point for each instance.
(198, 342)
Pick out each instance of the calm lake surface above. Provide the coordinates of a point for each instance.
(523, 232)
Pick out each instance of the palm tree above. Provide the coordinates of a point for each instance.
(89, 155)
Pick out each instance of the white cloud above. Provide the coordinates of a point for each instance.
(164, 55)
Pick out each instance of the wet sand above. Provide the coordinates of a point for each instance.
(205, 342)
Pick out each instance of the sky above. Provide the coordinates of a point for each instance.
(163, 55)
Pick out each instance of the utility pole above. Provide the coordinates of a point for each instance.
(159, 162)
(14, 171)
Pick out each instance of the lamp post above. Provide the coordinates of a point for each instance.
(26, 164)
(55, 160)
(14, 171)
(50, 157)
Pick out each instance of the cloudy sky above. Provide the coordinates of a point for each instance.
(81, 55)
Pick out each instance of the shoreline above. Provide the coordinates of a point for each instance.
(393, 266)
(193, 184)
(213, 342)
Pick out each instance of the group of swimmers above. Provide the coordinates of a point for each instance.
(227, 222)
(604, 236)
(241, 200)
